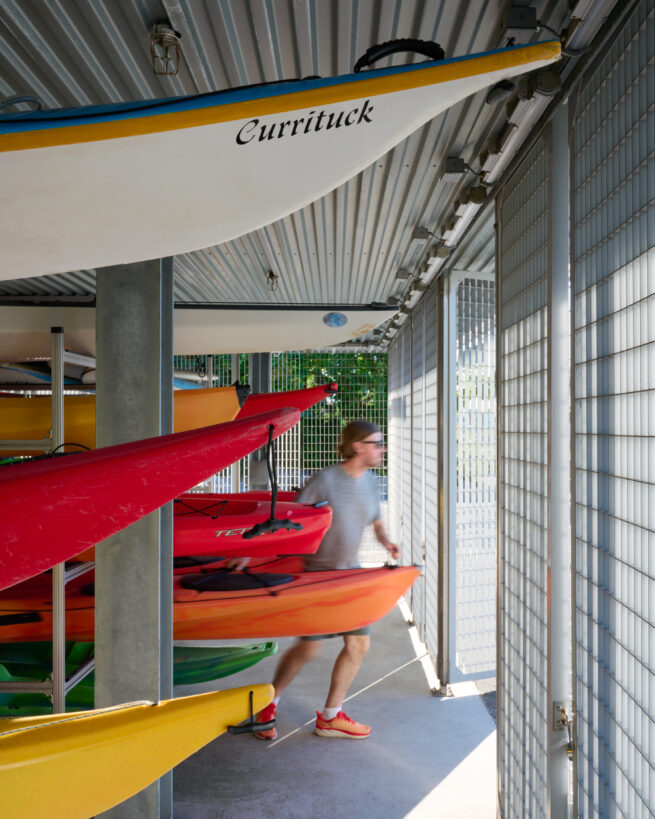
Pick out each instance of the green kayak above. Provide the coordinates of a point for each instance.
(33, 661)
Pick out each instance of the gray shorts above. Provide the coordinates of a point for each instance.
(363, 630)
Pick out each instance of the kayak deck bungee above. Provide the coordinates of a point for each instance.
(55, 508)
(243, 159)
(300, 399)
(82, 764)
(31, 418)
(206, 524)
(191, 665)
(306, 603)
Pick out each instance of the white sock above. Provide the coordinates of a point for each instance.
(276, 700)
(330, 713)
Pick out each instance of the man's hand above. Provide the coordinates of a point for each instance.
(383, 540)
(237, 563)
(393, 549)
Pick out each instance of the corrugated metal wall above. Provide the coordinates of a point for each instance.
(613, 220)
(522, 279)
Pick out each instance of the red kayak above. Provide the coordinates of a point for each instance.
(54, 508)
(300, 399)
(279, 600)
(207, 524)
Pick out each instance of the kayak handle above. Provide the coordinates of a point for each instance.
(377, 52)
(270, 525)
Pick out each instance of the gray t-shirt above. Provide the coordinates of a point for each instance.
(355, 504)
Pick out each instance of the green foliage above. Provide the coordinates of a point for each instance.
(362, 380)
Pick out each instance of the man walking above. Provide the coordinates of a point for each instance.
(350, 489)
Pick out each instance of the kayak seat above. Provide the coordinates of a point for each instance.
(233, 581)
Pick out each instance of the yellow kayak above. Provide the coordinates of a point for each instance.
(78, 765)
(29, 418)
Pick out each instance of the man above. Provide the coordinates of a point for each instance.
(351, 491)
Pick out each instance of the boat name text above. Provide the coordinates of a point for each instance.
(253, 131)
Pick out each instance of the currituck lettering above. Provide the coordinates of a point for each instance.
(313, 122)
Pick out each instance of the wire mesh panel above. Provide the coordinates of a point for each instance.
(417, 544)
(186, 366)
(613, 223)
(406, 445)
(312, 443)
(522, 276)
(394, 437)
(431, 473)
(475, 502)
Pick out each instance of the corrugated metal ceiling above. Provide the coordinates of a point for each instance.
(345, 248)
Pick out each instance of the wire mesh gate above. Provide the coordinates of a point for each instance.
(312, 443)
(613, 223)
(473, 470)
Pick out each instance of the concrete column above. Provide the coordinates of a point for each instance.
(133, 585)
(260, 381)
(559, 492)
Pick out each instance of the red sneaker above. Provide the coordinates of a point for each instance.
(340, 726)
(267, 715)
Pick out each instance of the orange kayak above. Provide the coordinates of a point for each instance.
(304, 603)
(30, 418)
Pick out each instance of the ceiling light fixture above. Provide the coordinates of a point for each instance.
(165, 49)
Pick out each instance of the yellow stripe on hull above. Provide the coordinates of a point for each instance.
(79, 765)
(30, 418)
(343, 92)
(91, 195)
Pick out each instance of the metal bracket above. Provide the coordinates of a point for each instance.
(251, 727)
(563, 722)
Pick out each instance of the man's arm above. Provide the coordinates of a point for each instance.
(381, 535)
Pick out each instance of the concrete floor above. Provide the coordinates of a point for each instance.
(427, 756)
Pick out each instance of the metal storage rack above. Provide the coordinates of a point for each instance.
(58, 684)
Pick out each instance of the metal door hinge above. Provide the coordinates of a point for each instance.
(562, 721)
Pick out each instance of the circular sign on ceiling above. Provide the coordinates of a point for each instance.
(334, 319)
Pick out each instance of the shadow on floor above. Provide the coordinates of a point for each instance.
(422, 751)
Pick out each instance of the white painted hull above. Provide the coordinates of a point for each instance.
(25, 331)
(121, 191)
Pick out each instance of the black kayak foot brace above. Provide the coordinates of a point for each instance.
(251, 727)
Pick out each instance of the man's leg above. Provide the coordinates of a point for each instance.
(332, 722)
(288, 666)
(292, 661)
(346, 667)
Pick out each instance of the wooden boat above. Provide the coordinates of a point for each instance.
(297, 603)
(79, 765)
(54, 508)
(242, 158)
(30, 418)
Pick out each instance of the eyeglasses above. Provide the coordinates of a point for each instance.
(378, 444)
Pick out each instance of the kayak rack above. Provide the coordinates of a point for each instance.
(57, 684)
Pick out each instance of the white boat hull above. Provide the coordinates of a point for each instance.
(122, 191)
(25, 331)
